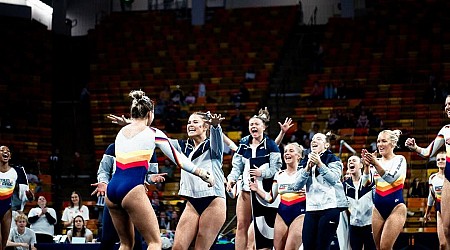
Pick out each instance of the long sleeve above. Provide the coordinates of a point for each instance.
(398, 170)
(274, 165)
(106, 166)
(300, 179)
(436, 144)
(217, 144)
(332, 172)
(237, 167)
(169, 150)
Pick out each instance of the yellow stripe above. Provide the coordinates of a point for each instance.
(138, 155)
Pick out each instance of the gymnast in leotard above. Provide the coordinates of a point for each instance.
(8, 178)
(126, 196)
(389, 212)
(292, 207)
(436, 181)
(442, 138)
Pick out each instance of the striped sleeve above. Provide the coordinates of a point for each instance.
(163, 143)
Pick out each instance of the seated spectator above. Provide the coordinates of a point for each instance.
(79, 230)
(163, 221)
(156, 203)
(190, 98)
(363, 120)
(417, 189)
(177, 96)
(42, 220)
(333, 122)
(174, 220)
(75, 208)
(21, 237)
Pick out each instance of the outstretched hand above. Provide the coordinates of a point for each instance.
(212, 119)
(286, 125)
(120, 120)
(100, 188)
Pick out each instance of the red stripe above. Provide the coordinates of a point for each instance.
(390, 191)
(132, 165)
(290, 203)
(6, 197)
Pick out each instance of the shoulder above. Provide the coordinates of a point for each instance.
(110, 150)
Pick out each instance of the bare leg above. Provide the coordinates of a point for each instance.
(211, 221)
(440, 232)
(393, 227)
(244, 215)
(294, 239)
(251, 245)
(123, 225)
(280, 234)
(188, 227)
(141, 213)
(445, 210)
(5, 227)
(377, 226)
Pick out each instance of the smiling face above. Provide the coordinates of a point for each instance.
(447, 106)
(256, 127)
(354, 164)
(5, 154)
(292, 155)
(75, 199)
(196, 126)
(440, 160)
(319, 143)
(384, 144)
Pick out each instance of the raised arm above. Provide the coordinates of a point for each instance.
(180, 159)
(434, 146)
(283, 130)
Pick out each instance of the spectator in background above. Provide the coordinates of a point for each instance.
(163, 221)
(42, 220)
(177, 96)
(250, 75)
(316, 93)
(190, 98)
(156, 203)
(244, 93)
(201, 88)
(363, 120)
(300, 135)
(79, 230)
(175, 218)
(333, 121)
(75, 208)
(21, 237)
(238, 122)
(55, 161)
(330, 91)
(417, 189)
(315, 127)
